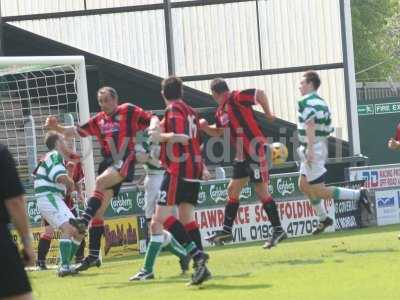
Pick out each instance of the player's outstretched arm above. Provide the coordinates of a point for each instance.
(262, 99)
(170, 137)
(211, 130)
(67, 131)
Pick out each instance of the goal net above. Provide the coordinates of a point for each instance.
(31, 89)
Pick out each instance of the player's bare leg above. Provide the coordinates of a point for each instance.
(317, 192)
(156, 240)
(163, 218)
(339, 193)
(231, 208)
(186, 216)
(27, 296)
(44, 246)
(269, 206)
(324, 220)
(69, 244)
(96, 231)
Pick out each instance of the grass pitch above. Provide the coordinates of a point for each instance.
(360, 264)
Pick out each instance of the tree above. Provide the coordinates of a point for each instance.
(376, 38)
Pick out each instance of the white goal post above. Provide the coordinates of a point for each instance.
(34, 87)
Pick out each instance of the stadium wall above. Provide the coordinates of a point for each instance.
(222, 38)
(379, 119)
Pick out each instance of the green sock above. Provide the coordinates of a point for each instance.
(339, 193)
(65, 251)
(152, 251)
(190, 247)
(74, 247)
(174, 247)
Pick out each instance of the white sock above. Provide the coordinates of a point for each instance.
(319, 209)
(158, 238)
(167, 238)
(345, 194)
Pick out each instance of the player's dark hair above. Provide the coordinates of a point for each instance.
(172, 88)
(219, 85)
(313, 77)
(51, 139)
(110, 90)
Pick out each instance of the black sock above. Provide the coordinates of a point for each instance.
(178, 231)
(231, 209)
(81, 251)
(194, 233)
(95, 234)
(272, 212)
(43, 249)
(93, 205)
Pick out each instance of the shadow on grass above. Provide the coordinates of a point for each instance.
(240, 275)
(217, 286)
(90, 274)
(367, 251)
(169, 280)
(292, 262)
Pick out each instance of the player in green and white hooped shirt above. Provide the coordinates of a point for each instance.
(148, 153)
(314, 128)
(50, 184)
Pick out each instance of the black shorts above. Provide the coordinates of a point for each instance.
(319, 180)
(126, 169)
(175, 190)
(256, 170)
(13, 278)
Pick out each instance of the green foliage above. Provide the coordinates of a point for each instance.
(357, 265)
(376, 35)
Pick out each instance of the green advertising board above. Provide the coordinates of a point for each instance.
(378, 120)
(130, 201)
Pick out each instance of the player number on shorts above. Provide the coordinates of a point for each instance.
(257, 174)
(163, 196)
(192, 126)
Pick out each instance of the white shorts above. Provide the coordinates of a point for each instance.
(53, 208)
(152, 185)
(317, 167)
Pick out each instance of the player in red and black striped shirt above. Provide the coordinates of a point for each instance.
(115, 127)
(235, 113)
(181, 157)
(183, 161)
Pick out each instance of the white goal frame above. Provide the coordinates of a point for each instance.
(83, 100)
